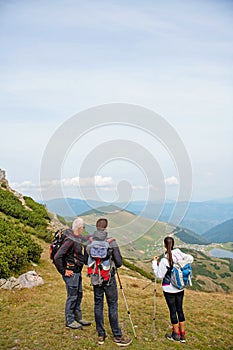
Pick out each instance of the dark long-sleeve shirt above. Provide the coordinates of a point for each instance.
(71, 254)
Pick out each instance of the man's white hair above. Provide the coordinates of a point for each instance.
(77, 223)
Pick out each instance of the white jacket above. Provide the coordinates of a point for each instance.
(160, 269)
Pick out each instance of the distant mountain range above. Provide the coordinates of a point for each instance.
(189, 236)
(199, 217)
(221, 233)
(70, 207)
(139, 231)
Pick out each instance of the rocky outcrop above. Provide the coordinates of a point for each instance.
(55, 224)
(2, 175)
(3, 180)
(27, 280)
(4, 183)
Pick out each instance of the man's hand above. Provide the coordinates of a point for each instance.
(69, 273)
(156, 258)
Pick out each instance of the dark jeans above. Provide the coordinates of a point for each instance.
(175, 305)
(74, 297)
(111, 293)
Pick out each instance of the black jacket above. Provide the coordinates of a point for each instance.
(101, 235)
(71, 255)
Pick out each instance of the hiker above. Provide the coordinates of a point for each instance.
(107, 286)
(173, 296)
(69, 262)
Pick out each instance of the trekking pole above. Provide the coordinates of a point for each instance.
(147, 285)
(126, 304)
(153, 324)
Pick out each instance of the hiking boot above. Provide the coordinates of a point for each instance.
(122, 341)
(84, 323)
(182, 338)
(74, 325)
(174, 336)
(101, 339)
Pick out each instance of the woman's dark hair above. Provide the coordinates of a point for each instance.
(169, 244)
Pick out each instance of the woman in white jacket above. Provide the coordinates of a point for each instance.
(173, 296)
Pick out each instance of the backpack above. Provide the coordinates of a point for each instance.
(99, 261)
(181, 274)
(59, 237)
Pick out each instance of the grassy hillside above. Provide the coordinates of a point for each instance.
(34, 319)
(126, 227)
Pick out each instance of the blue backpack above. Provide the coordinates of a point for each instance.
(181, 274)
(99, 261)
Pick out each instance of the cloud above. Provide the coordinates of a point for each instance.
(97, 181)
(172, 181)
(25, 185)
(103, 183)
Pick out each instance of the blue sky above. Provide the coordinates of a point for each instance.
(173, 57)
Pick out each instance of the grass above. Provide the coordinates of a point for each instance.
(33, 319)
(227, 246)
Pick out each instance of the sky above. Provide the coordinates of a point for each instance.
(60, 58)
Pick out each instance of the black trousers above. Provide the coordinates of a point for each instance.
(175, 305)
(111, 293)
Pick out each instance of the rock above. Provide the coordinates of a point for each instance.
(27, 280)
(3, 180)
(30, 279)
(2, 175)
(2, 282)
(11, 283)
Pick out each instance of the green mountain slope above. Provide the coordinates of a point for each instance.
(129, 229)
(221, 233)
(20, 219)
(189, 236)
(199, 217)
(209, 273)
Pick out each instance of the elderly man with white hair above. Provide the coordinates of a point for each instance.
(69, 262)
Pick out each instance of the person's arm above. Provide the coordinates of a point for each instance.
(160, 269)
(85, 255)
(60, 256)
(86, 242)
(187, 257)
(85, 239)
(116, 254)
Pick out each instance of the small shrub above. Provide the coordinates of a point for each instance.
(215, 266)
(201, 282)
(224, 287)
(225, 274)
